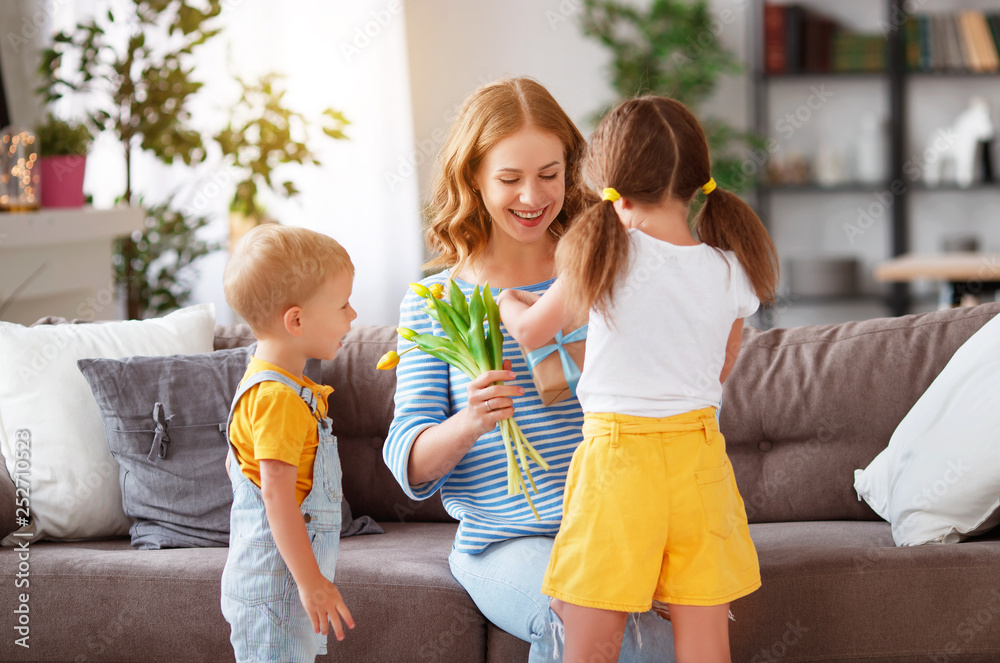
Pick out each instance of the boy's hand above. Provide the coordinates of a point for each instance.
(319, 596)
(324, 605)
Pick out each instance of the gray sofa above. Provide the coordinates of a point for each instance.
(804, 407)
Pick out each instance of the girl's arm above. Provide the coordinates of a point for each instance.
(534, 324)
(732, 349)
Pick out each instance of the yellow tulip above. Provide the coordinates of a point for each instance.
(388, 361)
(421, 290)
(406, 333)
(437, 290)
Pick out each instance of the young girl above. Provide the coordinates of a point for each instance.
(652, 511)
(507, 190)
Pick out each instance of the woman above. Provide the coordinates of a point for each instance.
(507, 190)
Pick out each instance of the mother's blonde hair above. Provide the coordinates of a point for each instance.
(460, 225)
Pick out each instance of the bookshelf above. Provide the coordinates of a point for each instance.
(889, 93)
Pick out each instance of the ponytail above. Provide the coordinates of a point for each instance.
(727, 222)
(591, 256)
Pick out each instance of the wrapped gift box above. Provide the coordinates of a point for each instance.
(556, 366)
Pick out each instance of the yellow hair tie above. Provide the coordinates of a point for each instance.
(709, 186)
(611, 194)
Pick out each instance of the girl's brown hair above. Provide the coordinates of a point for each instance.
(460, 226)
(649, 149)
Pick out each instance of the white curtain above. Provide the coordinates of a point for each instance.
(349, 55)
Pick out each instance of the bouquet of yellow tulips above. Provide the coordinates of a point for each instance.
(472, 350)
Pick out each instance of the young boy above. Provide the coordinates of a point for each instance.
(292, 286)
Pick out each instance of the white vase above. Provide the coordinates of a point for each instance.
(871, 150)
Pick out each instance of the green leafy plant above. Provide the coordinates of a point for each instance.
(161, 253)
(140, 92)
(60, 138)
(264, 134)
(671, 49)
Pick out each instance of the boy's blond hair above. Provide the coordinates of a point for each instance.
(275, 267)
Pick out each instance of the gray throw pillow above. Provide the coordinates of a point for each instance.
(165, 420)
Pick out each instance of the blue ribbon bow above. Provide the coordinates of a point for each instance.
(160, 436)
(570, 369)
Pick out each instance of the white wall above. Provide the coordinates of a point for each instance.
(456, 46)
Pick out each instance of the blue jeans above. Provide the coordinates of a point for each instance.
(505, 581)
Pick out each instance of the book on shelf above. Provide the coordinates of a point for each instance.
(797, 39)
(957, 41)
(775, 58)
(954, 53)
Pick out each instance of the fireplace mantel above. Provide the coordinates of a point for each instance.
(58, 262)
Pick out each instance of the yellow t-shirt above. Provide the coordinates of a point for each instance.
(273, 422)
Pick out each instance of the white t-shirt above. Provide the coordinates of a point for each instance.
(663, 352)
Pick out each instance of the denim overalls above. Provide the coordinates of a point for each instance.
(260, 600)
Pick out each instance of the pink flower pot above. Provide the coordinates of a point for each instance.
(62, 180)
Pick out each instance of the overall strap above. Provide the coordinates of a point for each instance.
(307, 395)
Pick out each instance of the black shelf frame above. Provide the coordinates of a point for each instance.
(899, 298)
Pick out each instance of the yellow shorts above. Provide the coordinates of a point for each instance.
(652, 511)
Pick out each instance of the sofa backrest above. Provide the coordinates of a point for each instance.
(361, 408)
(802, 409)
(805, 407)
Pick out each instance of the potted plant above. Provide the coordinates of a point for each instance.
(671, 48)
(140, 93)
(261, 136)
(62, 148)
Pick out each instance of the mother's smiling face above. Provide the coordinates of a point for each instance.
(523, 184)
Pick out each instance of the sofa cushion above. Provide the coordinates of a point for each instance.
(805, 407)
(362, 407)
(74, 479)
(938, 481)
(182, 498)
(102, 600)
(164, 418)
(842, 591)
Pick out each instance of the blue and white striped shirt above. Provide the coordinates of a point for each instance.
(428, 391)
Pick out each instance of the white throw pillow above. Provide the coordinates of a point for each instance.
(50, 420)
(938, 480)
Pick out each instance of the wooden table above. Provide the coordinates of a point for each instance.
(965, 273)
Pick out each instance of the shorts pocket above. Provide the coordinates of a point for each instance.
(255, 574)
(718, 499)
